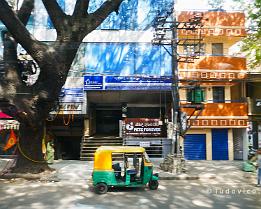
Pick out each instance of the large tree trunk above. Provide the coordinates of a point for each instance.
(30, 156)
(30, 105)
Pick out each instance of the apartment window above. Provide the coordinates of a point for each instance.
(196, 95)
(219, 94)
(194, 49)
(217, 49)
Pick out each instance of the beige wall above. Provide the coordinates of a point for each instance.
(183, 94)
(227, 94)
(226, 45)
(236, 92)
(230, 145)
(209, 94)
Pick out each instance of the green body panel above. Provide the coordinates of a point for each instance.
(147, 174)
(108, 177)
(154, 178)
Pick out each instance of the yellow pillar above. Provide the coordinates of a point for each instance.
(209, 94)
(86, 127)
(230, 145)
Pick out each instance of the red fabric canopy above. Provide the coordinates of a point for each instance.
(4, 116)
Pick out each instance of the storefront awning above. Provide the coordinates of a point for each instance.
(6, 122)
(4, 116)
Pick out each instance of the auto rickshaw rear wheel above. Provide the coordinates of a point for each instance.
(101, 188)
(153, 184)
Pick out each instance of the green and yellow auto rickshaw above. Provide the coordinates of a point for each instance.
(122, 166)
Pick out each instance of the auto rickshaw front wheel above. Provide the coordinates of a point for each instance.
(153, 184)
(101, 188)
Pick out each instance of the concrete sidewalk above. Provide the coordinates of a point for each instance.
(73, 170)
(196, 170)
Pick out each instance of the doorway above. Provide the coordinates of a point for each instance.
(107, 121)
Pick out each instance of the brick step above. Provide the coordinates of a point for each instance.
(90, 148)
(102, 141)
(91, 158)
(102, 138)
(101, 144)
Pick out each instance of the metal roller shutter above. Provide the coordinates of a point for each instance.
(219, 144)
(195, 147)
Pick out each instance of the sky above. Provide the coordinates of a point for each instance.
(199, 4)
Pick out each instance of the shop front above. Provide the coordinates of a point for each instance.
(149, 133)
(118, 103)
(8, 135)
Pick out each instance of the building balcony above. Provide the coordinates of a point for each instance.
(217, 23)
(214, 68)
(230, 115)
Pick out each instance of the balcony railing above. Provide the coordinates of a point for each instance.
(216, 63)
(217, 23)
(230, 115)
(222, 109)
(214, 68)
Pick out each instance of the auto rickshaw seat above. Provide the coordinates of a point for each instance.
(117, 170)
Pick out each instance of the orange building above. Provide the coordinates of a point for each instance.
(219, 132)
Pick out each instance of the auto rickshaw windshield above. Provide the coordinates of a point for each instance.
(147, 159)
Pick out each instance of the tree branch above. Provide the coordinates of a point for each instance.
(105, 10)
(10, 46)
(19, 31)
(81, 7)
(56, 14)
(25, 11)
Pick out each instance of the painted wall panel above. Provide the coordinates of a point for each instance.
(126, 59)
(133, 14)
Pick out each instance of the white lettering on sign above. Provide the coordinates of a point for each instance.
(151, 129)
(138, 129)
(144, 144)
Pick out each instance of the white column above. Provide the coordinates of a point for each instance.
(230, 145)
(227, 94)
(209, 144)
(245, 144)
(209, 94)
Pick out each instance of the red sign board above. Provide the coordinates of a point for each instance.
(143, 127)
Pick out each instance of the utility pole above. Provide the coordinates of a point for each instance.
(166, 34)
(175, 87)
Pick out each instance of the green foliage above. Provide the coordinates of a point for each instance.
(252, 43)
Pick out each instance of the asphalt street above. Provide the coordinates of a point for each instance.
(71, 188)
(66, 194)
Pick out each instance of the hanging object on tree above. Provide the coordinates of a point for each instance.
(11, 141)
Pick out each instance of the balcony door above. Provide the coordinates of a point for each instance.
(219, 94)
(217, 49)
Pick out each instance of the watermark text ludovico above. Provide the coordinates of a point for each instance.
(234, 191)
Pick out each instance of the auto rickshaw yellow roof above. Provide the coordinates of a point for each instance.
(121, 149)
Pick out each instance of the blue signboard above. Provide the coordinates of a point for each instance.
(71, 95)
(126, 83)
(93, 82)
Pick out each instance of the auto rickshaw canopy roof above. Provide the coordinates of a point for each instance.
(103, 155)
